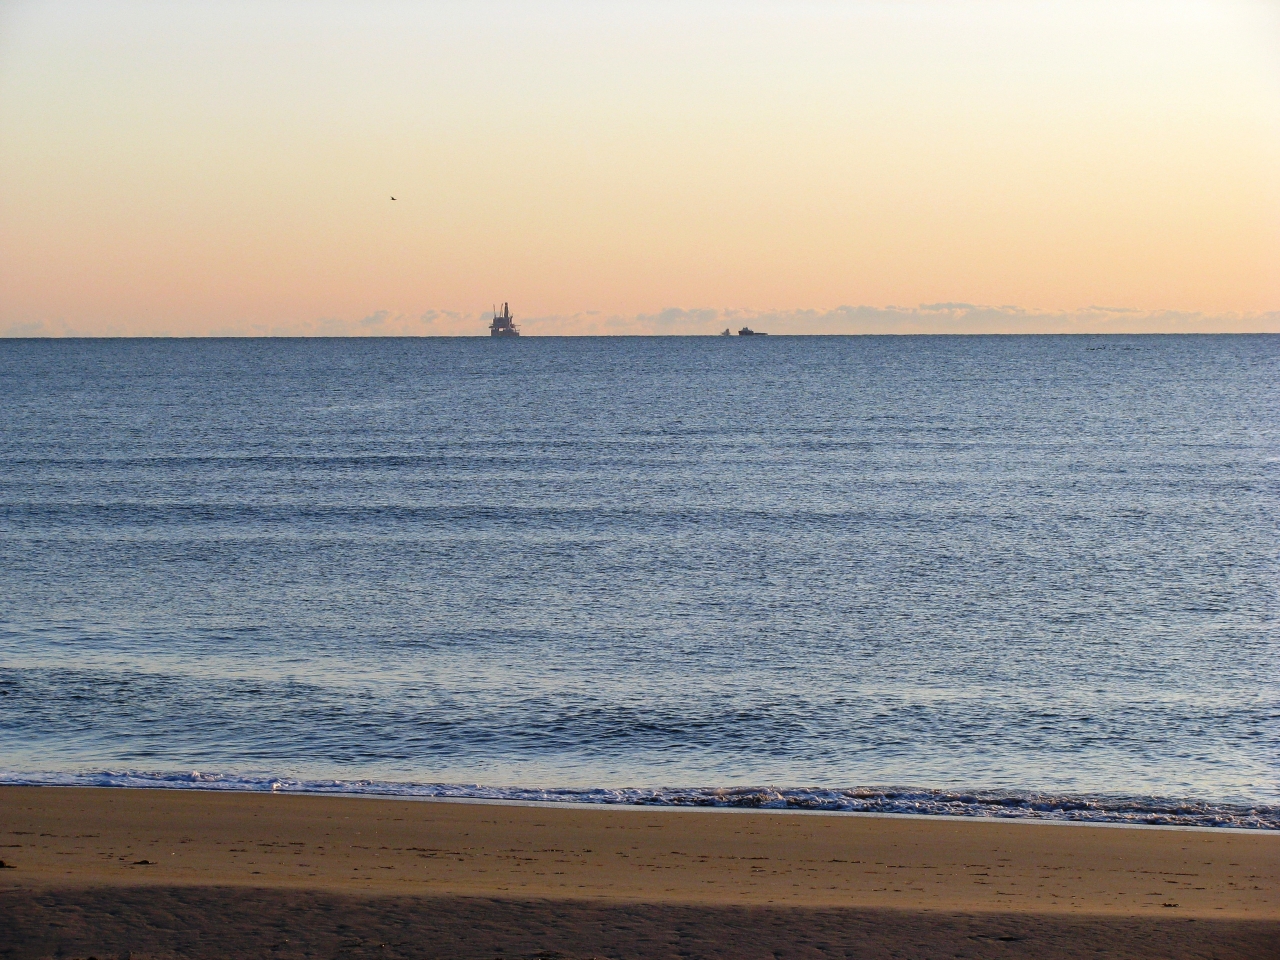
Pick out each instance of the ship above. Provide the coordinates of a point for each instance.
(503, 325)
(748, 332)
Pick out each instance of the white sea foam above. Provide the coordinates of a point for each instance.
(896, 800)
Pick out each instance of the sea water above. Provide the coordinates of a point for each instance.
(1029, 576)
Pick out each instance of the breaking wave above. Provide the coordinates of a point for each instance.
(990, 804)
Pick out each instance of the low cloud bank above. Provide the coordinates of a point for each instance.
(931, 318)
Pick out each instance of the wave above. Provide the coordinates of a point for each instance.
(991, 804)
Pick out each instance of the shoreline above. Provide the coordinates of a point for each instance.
(690, 808)
(112, 869)
(780, 811)
(887, 801)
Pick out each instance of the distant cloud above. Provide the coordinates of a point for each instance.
(379, 323)
(34, 328)
(41, 328)
(931, 318)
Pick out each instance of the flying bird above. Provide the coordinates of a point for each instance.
(393, 198)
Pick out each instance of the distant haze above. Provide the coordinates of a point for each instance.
(625, 167)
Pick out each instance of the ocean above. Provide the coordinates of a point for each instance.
(995, 576)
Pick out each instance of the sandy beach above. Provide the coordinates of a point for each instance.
(160, 873)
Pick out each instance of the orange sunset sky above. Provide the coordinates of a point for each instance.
(222, 167)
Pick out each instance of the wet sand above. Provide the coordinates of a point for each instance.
(171, 873)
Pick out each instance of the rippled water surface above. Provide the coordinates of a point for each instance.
(1043, 564)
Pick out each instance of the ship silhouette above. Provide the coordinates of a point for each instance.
(503, 325)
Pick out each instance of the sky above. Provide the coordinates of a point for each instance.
(809, 166)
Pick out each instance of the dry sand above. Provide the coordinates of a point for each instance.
(196, 874)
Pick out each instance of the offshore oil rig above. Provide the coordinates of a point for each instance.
(503, 325)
